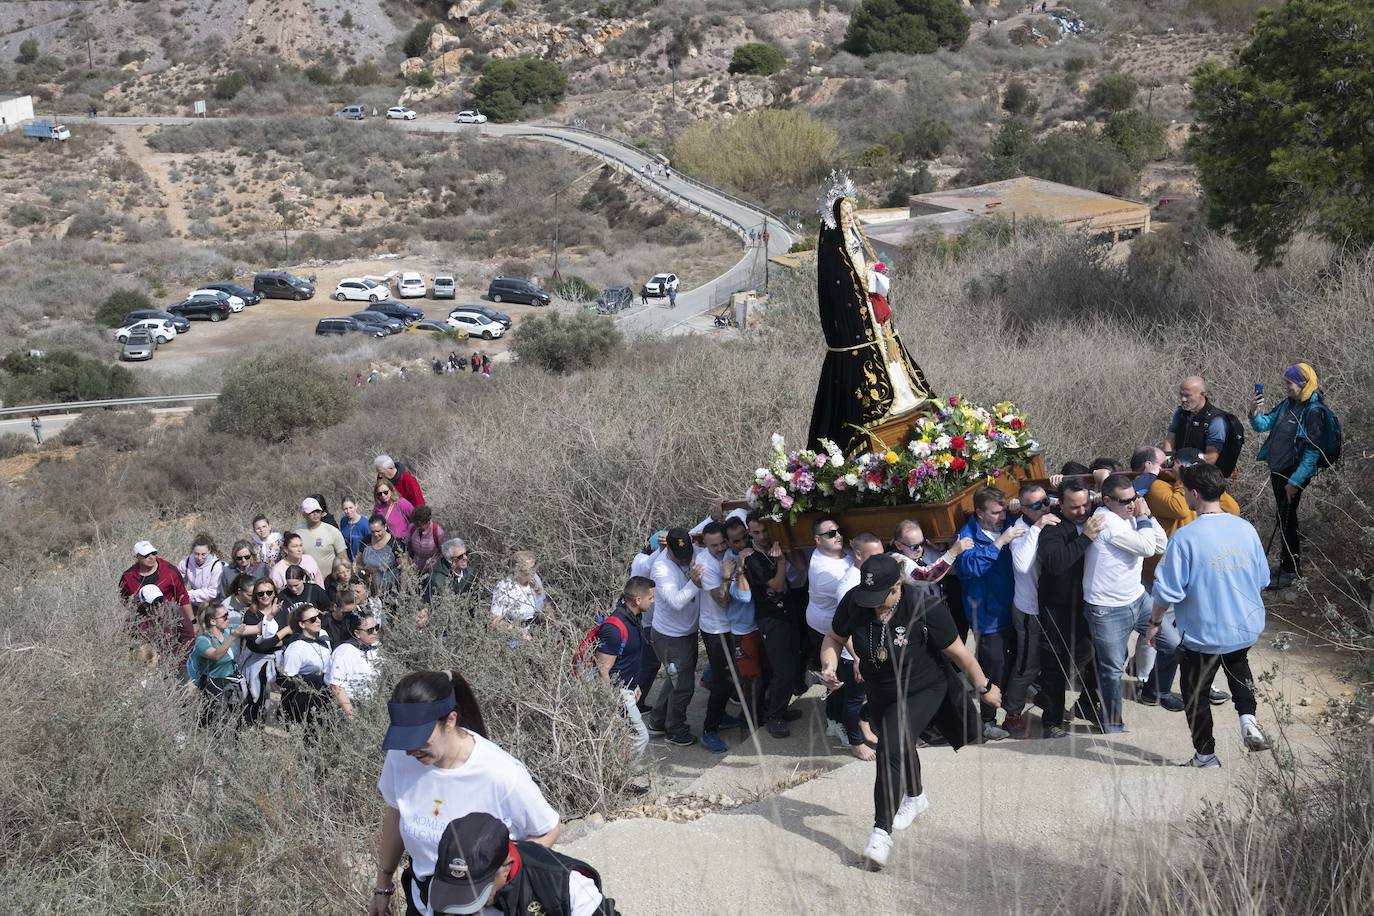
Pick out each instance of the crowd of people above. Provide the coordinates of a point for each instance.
(479, 362)
(1051, 584)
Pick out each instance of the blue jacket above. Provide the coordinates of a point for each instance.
(1309, 431)
(1212, 575)
(987, 580)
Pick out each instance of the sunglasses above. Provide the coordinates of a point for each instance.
(372, 629)
(220, 617)
(1037, 505)
(917, 546)
(266, 594)
(310, 619)
(1124, 502)
(245, 557)
(832, 533)
(461, 556)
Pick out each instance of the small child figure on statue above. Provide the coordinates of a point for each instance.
(878, 288)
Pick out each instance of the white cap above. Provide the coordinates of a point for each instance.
(149, 593)
(309, 504)
(143, 549)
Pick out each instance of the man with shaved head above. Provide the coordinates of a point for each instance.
(1196, 423)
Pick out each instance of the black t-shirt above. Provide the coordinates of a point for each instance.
(912, 640)
(759, 569)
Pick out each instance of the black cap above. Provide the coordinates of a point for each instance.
(876, 578)
(1186, 456)
(679, 544)
(471, 851)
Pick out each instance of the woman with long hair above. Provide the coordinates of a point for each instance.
(339, 582)
(304, 663)
(519, 598)
(216, 654)
(393, 508)
(258, 661)
(200, 570)
(440, 766)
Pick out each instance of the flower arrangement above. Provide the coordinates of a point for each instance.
(949, 451)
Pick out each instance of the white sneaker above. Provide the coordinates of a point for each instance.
(1252, 736)
(879, 845)
(835, 729)
(994, 732)
(913, 806)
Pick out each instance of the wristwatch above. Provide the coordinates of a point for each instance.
(987, 686)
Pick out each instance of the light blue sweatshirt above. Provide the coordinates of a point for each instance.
(1212, 573)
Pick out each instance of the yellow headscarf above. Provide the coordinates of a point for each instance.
(1304, 375)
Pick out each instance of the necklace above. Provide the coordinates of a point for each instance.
(878, 647)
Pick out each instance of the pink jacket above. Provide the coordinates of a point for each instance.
(202, 582)
(397, 517)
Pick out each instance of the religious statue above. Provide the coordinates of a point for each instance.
(868, 378)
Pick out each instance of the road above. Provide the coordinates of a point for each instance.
(735, 214)
(54, 423)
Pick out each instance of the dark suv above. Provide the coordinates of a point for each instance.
(278, 284)
(393, 309)
(211, 309)
(346, 326)
(513, 289)
(248, 296)
(181, 324)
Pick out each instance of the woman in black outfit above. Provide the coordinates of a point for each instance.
(258, 661)
(903, 650)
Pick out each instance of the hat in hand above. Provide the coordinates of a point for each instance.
(471, 851)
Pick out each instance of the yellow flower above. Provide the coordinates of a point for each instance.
(891, 457)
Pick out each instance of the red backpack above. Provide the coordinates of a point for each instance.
(584, 648)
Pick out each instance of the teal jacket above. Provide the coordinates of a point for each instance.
(1309, 431)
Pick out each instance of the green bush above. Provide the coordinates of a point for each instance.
(364, 74)
(561, 345)
(1114, 92)
(417, 42)
(1082, 158)
(110, 313)
(1017, 99)
(1139, 135)
(25, 214)
(28, 51)
(507, 85)
(422, 78)
(274, 395)
(319, 74)
(574, 288)
(757, 59)
(759, 150)
(908, 185)
(62, 375)
(116, 430)
(12, 444)
(906, 27)
(230, 85)
(926, 140)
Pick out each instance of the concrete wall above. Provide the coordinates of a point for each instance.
(15, 111)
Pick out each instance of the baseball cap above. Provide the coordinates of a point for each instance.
(310, 504)
(144, 549)
(679, 544)
(1186, 456)
(149, 593)
(471, 851)
(413, 723)
(876, 578)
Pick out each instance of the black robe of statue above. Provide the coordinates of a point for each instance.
(855, 389)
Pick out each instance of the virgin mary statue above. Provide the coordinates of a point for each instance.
(868, 378)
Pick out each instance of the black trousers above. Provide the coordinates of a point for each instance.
(1286, 511)
(649, 665)
(1064, 651)
(779, 650)
(720, 654)
(899, 765)
(797, 599)
(996, 653)
(1198, 670)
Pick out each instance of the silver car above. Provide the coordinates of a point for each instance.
(139, 345)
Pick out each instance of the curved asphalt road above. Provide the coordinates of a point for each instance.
(694, 198)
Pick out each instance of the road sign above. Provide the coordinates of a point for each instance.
(794, 214)
(579, 122)
(200, 107)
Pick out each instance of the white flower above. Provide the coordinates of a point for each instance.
(1009, 440)
(942, 443)
(836, 461)
(852, 479)
(920, 449)
(760, 473)
(779, 443)
(981, 445)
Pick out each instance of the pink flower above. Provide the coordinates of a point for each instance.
(1016, 423)
(786, 502)
(954, 402)
(780, 493)
(840, 484)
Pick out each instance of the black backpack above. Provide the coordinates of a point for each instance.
(1194, 434)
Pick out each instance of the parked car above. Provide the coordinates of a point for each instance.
(411, 285)
(360, 289)
(348, 326)
(471, 116)
(398, 310)
(493, 314)
(181, 324)
(477, 325)
(444, 287)
(138, 346)
(234, 302)
(352, 113)
(278, 284)
(160, 329)
(615, 298)
(377, 319)
(514, 289)
(658, 285)
(434, 326)
(400, 113)
(210, 309)
(248, 296)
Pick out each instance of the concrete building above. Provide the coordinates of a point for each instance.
(15, 110)
(950, 212)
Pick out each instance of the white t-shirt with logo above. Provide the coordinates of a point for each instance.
(323, 545)
(354, 670)
(490, 781)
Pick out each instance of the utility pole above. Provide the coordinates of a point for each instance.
(556, 277)
(765, 254)
(286, 241)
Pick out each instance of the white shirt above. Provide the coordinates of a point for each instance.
(515, 602)
(1025, 567)
(643, 566)
(305, 656)
(712, 617)
(428, 797)
(677, 599)
(826, 574)
(354, 670)
(1111, 572)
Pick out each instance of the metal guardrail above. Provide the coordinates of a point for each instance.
(70, 406)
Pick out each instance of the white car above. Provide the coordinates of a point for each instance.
(659, 285)
(400, 113)
(235, 303)
(411, 286)
(477, 325)
(361, 289)
(471, 117)
(160, 329)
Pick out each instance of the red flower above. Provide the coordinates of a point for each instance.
(957, 443)
(954, 402)
(1016, 423)
(958, 464)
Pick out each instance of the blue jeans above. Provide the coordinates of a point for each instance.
(1110, 628)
